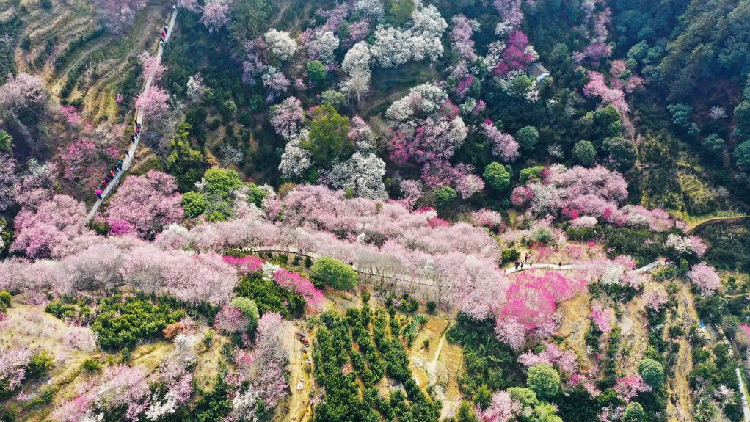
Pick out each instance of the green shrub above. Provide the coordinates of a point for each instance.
(328, 140)
(316, 71)
(39, 364)
(334, 273)
(194, 204)
(5, 299)
(126, 321)
(652, 372)
(527, 137)
(633, 413)
(445, 195)
(531, 174)
(270, 297)
(248, 308)
(332, 98)
(544, 380)
(510, 255)
(584, 153)
(91, 365)
(497, 176)
(431, 307)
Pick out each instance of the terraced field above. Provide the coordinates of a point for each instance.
(82, 62)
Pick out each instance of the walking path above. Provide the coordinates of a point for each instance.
(128, 161)
(740, 381)
(571, 267)
(371, 271)
(745, 408)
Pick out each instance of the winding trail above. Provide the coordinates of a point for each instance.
(130, 157)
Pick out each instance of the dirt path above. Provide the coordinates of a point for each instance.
(680, 408)
(298, 408)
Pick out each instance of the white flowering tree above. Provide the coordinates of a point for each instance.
(281, 44)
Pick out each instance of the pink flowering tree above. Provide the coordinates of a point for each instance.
(705, 278)
(247, 265)
(597, 87)
(85, 162)
(493, 220)
(602, 317)
(52, 228)
(576, 192)
(463, 29)
(8, 180)
(502, 408)
(270, 360)
(655, 300)
(152, 66)
(118, 15)
(120, 389)
(230, 319)
(629, 387)
(23, 98)
(153, 103)
(215, 15)
(149, 203)
(564, 361)
(503, 144)
(13, 365)
(287, 117)
(510, 12)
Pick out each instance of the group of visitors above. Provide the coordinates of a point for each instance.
(527, 259)
(133, 137)
(118, 165)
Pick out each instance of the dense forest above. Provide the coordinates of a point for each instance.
(374, 210)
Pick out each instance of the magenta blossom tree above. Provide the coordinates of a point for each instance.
(301, 285)
(516, 55)
(149, 203)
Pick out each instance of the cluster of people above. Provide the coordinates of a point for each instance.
(164, 34)
(118, 166)
(526, 259)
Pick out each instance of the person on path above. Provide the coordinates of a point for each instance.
(559, 264)
(119, 165)
(161, 43)
(522, 265)
(99, 193)
(166, 29)
(516, 265)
